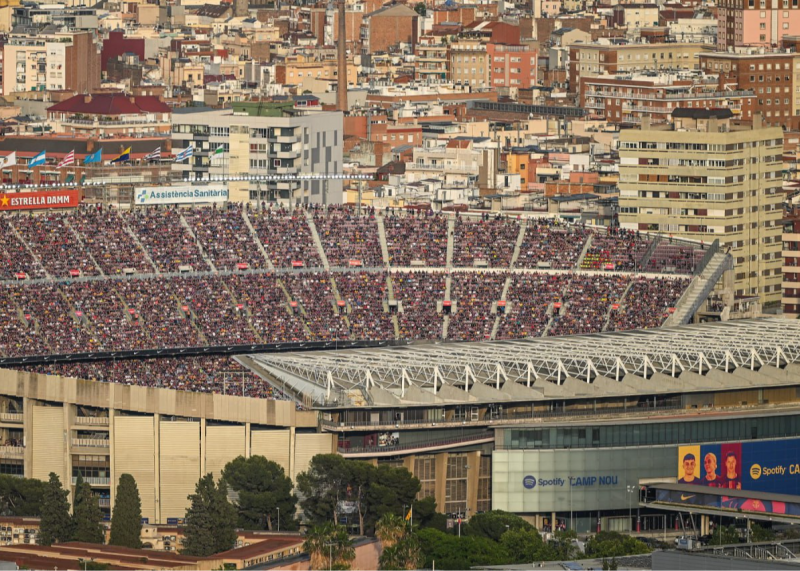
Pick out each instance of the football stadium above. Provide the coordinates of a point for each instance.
(554, 370)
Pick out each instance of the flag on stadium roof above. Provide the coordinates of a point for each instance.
(184, 154)
(8, 160)
(123, 156)
(38, 159)
(95, 157)
(154, 156)
(68, 160)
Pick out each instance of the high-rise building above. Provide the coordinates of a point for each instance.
(755, 22)
(791, 265)
(705, 177)
(260, 139)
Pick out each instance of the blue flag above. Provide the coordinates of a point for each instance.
(38, 159)
(95, 157)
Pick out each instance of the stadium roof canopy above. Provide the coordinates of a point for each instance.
(692, 358)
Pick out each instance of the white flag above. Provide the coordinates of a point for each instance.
(9, 160)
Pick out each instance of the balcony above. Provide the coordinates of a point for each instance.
(15, 417)
(92, 420)
(287, 154)
(93, 481)
(12, 452)
(90, 442)
(104, 502)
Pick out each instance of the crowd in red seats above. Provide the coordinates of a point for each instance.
(317, 305)
(474, 294)
(586, 303)
(420, 294)
(491, 239)
(647, 303)
(619, 250)
(54, 242)
(527, 303)
(15, 256)
(225, 237)
(165, 238)
(367, 303)
(286, 237)
(106, 237)
(551, 244)
(420, 237)
(348, 239)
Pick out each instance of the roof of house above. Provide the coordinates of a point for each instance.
(111, 104)
(393, 10)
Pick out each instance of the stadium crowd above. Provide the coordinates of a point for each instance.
(108, 310)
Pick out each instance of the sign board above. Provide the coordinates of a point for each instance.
(242, 266)
(40, 200)
(180, 194)
(297, 264)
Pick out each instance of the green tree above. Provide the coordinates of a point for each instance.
(493, 524)
(724, 535)
(405, 554)
(450, 552)
(421, 9)
(425, 514)
(610, 544)
(210, 520)
(562, 545)
(758, 533)
(322, 486)
(389, 490)
(86, 514)
(55, 525)
(265, 493)
(126, 519)
(21, 496)
(390, 529)
(525, 545)
(329, 547)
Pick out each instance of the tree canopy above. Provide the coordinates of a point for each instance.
(369, 492)
(452, 552)
(55, 525)
(210, 520)
(493, 524)
(86, 514)
(329, 547)
(610, 544)
(126, 519)
(21, 496)
(265, 493)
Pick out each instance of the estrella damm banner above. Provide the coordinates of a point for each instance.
(762, 466)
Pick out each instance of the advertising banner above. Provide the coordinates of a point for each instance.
(40, 200)
(763, 466)
(726, 502)
(180, 194)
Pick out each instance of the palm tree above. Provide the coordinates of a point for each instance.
(390, 529)
(405, 555)
(329, 547)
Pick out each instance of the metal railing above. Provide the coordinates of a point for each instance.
(12, 451)
(93, 481)
(10, 417)
(92, 420)
(415, 445)
(90, 442)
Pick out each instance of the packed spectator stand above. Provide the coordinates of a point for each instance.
(100, 279)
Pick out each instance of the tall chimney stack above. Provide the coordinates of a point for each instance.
(341, 87)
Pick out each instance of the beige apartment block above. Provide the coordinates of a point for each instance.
(705, 177)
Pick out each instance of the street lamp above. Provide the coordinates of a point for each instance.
(330, 545)
(631, 490)
(279, 520)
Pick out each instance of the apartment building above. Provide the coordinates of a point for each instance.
(705, 177)
(468, 62)
(755, 22)
(60, 61)
(432, 61)
(773, 76)
(305, 72)
(627, 99)
(594, 60)
(165, 439)
(255, 143)
(512, 66)
(791, 266)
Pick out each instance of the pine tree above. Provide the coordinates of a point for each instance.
(55, 525)
(86, 514)
(126, 520)
(210, 520)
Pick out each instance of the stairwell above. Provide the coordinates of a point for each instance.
(451, 235)
(649, 253)
(138, 242)
(448, 282)
(586, 247)
(300, 308)
(701, 287)
(382, 238)
(621, 303)
(79, 238)
(317, 241)
(254, 235)
(518, 246)
(504, 297)
(188, 228)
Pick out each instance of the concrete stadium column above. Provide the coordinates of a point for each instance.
(441, 479)
(408, 463)
(111, 456)
(292, 449)
(473, 474)
(705, 524)
(69, 419)
(247, 445)
(27, 435)
(202, 447)
(157, 465)
(239, 162)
